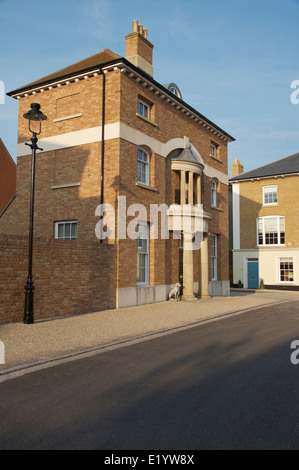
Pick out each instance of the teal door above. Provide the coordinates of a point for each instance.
(253, 275)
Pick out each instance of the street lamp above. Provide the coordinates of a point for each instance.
(35, 118)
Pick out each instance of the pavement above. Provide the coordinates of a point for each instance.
(49, 342)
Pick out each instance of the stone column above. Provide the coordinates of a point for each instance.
(198, 182)
(190, 189)
(183, 187)
(188, 291)
(204, 271)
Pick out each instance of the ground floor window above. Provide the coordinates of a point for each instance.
(143, 254)
(214, 257)
(286, 270)
(66, 230)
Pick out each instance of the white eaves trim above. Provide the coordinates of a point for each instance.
(132, 74)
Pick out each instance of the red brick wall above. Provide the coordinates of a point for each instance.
(69, 277)
(8, 176)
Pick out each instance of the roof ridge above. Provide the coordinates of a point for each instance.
(263, 167)
(74, 68)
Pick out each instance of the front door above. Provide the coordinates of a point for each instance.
(253, 274)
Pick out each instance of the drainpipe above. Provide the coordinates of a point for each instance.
(103, 140)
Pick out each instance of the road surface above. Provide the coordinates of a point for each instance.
(228, 384)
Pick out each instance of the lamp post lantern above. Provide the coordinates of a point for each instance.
(35, 118)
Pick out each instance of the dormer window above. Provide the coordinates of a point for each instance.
(174, 89)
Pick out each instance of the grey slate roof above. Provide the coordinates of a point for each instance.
(284, 166)
(187, 155)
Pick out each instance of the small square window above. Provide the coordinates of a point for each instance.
(66, 230)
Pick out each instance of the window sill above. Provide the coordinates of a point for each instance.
(73, 116)
(144, 186)
(270, 205)
(62, 186)
(217, 208)
(271, 246)
(287, 283)
(146, 120)
(217, 159)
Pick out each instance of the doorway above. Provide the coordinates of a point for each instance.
(252, 274)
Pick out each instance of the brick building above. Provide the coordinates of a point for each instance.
(266, 224)
(116, 136)
(8, 177)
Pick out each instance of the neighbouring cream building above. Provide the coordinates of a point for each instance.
(265, 221)
(114, 132)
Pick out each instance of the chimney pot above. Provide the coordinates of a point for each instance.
(139, 50)
(135, 26)
(237, 168)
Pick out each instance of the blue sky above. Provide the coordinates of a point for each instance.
(233, 60)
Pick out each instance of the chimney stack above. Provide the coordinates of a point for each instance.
(139, 50)
(237, 168)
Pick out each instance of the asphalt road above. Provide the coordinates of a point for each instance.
(229, 384)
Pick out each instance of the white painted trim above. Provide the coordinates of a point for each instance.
(236, 215)
(72, 139)
(117, 130)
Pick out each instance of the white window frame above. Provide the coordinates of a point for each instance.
(143, 167)
(143, 253)
(214, 257)
(279, 231)
(285, 259)
(144, 109)
(64, 223)
(272, 193)
(213, 193)
(214, 150)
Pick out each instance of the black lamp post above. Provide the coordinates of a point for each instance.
(35, 117)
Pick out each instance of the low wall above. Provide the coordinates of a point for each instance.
(69, 277)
